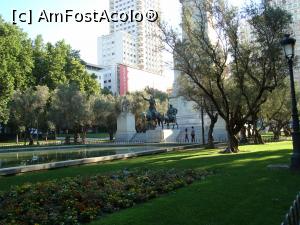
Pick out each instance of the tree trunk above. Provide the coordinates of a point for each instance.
(76, 136)
(111, 135)
(260, 139)
(257, 138)
(83, 135)
(67, 138)
(287, 131)
(276, 134)
(233, 143)
(256, 135)
(243, 136)
(37, 133)
(29, 135)
(17, 138)
(210, 139)
(1, 128)
(25, 136)
(31, 140)
(249, 132)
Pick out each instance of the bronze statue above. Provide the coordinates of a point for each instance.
(171, 116)
(151, 113)
(155, 118)
(171, 113)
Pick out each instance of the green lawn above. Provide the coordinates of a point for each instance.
(242, 192)
(22, 143)
(268, 134)
(89, 135)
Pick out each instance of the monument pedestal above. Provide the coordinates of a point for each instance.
(125, 127)
(154, 136)
(159, 135)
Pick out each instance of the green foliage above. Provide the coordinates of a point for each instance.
(24, 64)
(106, 109)
(276, 111)
(59, 64)
(157, 94)
(139, 105)
(106, 91)
(27, 106)
(70, 108)
(82, 199)
(235, 75)
(15, 64)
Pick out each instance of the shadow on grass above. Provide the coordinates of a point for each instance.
(203, 159)
(243, 190)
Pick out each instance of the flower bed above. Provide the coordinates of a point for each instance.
(81, 199)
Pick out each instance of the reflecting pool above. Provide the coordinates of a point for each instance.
(39, 156)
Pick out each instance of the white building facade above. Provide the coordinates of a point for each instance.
(117, 48)
(94, 70)
(121, 79)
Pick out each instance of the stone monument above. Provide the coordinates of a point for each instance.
(125, 123)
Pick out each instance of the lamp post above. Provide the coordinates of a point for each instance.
(288, 44)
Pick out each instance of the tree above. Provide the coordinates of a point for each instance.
(106, 110)
(276, 111)
(188, 90)
(60, 64)
(236, 75)
(27, 107)
(157, 94)
(106, 91)
(40, 69)
(71, 110)
(15, 64)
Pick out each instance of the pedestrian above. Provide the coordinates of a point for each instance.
(186, 139)
(193, 134)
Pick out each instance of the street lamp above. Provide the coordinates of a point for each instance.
(288, 44)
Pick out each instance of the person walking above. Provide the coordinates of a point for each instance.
(186, 139)
(193, 134)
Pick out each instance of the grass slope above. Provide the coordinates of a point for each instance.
(243, 191)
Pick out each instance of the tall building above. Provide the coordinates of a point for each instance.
(132, 43)
(293, 7)
(117, 48)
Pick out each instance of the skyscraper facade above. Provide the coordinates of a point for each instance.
(132, 43)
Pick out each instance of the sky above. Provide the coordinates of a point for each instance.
(81, 36)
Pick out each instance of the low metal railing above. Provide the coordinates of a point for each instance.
(293, 216)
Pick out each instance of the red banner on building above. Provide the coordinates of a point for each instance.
(123, 80)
